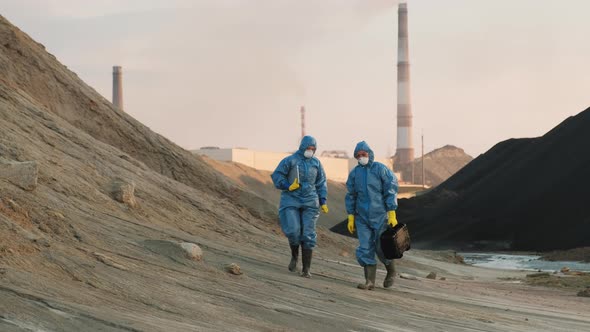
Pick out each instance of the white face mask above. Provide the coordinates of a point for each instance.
(308, 154)
(363, 160)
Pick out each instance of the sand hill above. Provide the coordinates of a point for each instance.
(439, 165)
(107, 226)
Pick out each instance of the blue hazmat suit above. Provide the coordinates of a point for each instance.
(300, 209)
(372, 191)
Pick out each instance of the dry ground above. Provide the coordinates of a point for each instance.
(143, 286)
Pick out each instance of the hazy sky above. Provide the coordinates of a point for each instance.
(233, 73)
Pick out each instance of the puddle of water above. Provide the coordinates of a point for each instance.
(520, 262)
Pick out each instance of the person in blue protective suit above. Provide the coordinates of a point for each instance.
(371, 202)
(302, 180)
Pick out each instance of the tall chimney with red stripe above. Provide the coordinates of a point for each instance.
(405, 146)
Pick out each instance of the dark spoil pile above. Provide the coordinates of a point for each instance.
(523, 194)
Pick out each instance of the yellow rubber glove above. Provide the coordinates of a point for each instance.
(294, 185)
(324, 208)
(391, 219)
(351, 223)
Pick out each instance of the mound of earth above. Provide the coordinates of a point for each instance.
(522, 194)
(439, 165)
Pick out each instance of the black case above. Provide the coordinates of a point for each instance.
(394, 241)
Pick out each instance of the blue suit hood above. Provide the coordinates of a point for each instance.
(306, 141)
(364, 147)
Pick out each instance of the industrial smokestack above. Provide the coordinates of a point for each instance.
(405, 147)
(302, 121)
(118, 87)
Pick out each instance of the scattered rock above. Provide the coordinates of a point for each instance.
(124, 192)
(57, 215)
(407, 276)
(22, 174)
(565, 269)
(585, 292)
(14, 211)
(233, 268)
(344, 253)
(178, 252)
(431, 275)
(16, 208)
(443, 278)
(192, 250)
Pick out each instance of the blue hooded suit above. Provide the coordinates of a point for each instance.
(372, 191)
(299, 209)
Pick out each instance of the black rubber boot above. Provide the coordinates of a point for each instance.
(306, 258)
(388, 281)
(294, 257)
(370, 275)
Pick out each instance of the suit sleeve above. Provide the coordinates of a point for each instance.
(390, 188)
(280, 175)
(321, 185)
(350, 199)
